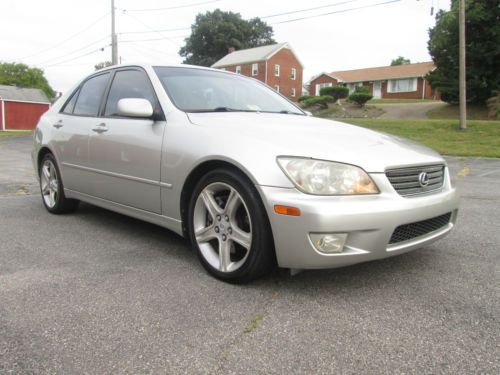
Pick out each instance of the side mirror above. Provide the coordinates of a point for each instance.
(308, 113)
(134, 107)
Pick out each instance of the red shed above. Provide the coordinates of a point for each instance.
(21, 108)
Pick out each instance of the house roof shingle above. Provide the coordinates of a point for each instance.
(384, 72)
(245, 56)
(23, 94)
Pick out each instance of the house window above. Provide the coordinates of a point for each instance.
(402, 85)
(277, 70)
(352, 86)
(255, 69)
(277, 88)
(319, 86)
(294, 74)
(293, 92)
(238, 69)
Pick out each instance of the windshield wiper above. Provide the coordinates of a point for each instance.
(222, 109)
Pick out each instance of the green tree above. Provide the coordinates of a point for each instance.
(213, 33)
(23, 76)
(482, 51)
(400, 60)
(102, 64)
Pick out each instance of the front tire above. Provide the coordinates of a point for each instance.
(52, 189)
(229, 228)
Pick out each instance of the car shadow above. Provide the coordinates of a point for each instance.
(380, 273)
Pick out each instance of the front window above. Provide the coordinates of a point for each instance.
(255, 69)
(199, 90)
(402, 85)
(277, 70)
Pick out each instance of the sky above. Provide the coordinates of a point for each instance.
(66, 38)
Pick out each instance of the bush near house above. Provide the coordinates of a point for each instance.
(320, 101)
(304, 98)
(360, 95)
(337, 92)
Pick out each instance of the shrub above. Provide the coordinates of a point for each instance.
(360, 98)
(362, 89)
(320, 101)
(337, 92)
(304, 98)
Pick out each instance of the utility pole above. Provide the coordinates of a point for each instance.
(114, 40)
(461, 74)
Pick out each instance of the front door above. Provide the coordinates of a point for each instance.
(377, 90)
(72, 130)
(125, 153)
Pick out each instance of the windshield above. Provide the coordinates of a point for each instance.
(199, 90)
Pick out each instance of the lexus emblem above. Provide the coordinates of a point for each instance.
(423, 179)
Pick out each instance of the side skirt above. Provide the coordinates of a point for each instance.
(163, 221)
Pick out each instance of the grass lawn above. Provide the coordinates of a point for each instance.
(474, 112)
(401, 101)
(482, 138)
(15, 133)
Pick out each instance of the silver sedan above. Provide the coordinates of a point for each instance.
(245, 174)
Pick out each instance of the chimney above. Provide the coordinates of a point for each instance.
(231, 50)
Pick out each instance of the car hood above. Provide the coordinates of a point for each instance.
(294, 135)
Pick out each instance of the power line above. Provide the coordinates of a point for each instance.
(78, 57)
(154, 31)
(335, 12)
(309, 9)
(170, 8)
(74, 51)
(69, 38)
(151, 39)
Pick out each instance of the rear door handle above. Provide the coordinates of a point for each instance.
(58, 124)
(101, 128)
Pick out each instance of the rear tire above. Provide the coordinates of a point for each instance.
(52, 189)
(229, 228)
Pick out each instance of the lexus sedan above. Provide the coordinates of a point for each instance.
(250, 178)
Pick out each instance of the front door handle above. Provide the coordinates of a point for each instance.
(101, 128)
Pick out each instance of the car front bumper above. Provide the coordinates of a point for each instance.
(369, 222)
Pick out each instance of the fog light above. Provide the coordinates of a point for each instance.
(330, 243)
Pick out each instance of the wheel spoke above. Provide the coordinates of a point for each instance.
(224, 255)
(232, 203)
(45, 186)
(242, 238)
(211, 205)
(52, 172)
(205, 234)
(46, 172)
(52, 197)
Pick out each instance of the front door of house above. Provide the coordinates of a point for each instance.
(377, 90)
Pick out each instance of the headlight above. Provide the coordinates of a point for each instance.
(327, 178)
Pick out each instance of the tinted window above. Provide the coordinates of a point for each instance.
(70, 104)
(128, 84)
(90, 95)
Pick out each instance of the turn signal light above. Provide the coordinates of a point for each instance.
(286, 210)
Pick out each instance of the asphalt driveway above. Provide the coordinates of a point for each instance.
(97, 292)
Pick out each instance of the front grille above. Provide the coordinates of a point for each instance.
(406, 180)
(409, 231)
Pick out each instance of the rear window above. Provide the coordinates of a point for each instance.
(90, 97)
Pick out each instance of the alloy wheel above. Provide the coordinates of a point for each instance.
(49, 183)
(222, 227)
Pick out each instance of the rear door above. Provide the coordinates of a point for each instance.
(125, 153)
(72, 132)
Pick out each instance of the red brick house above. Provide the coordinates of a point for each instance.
(276, 65)
(386, 82)
(21, 108)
